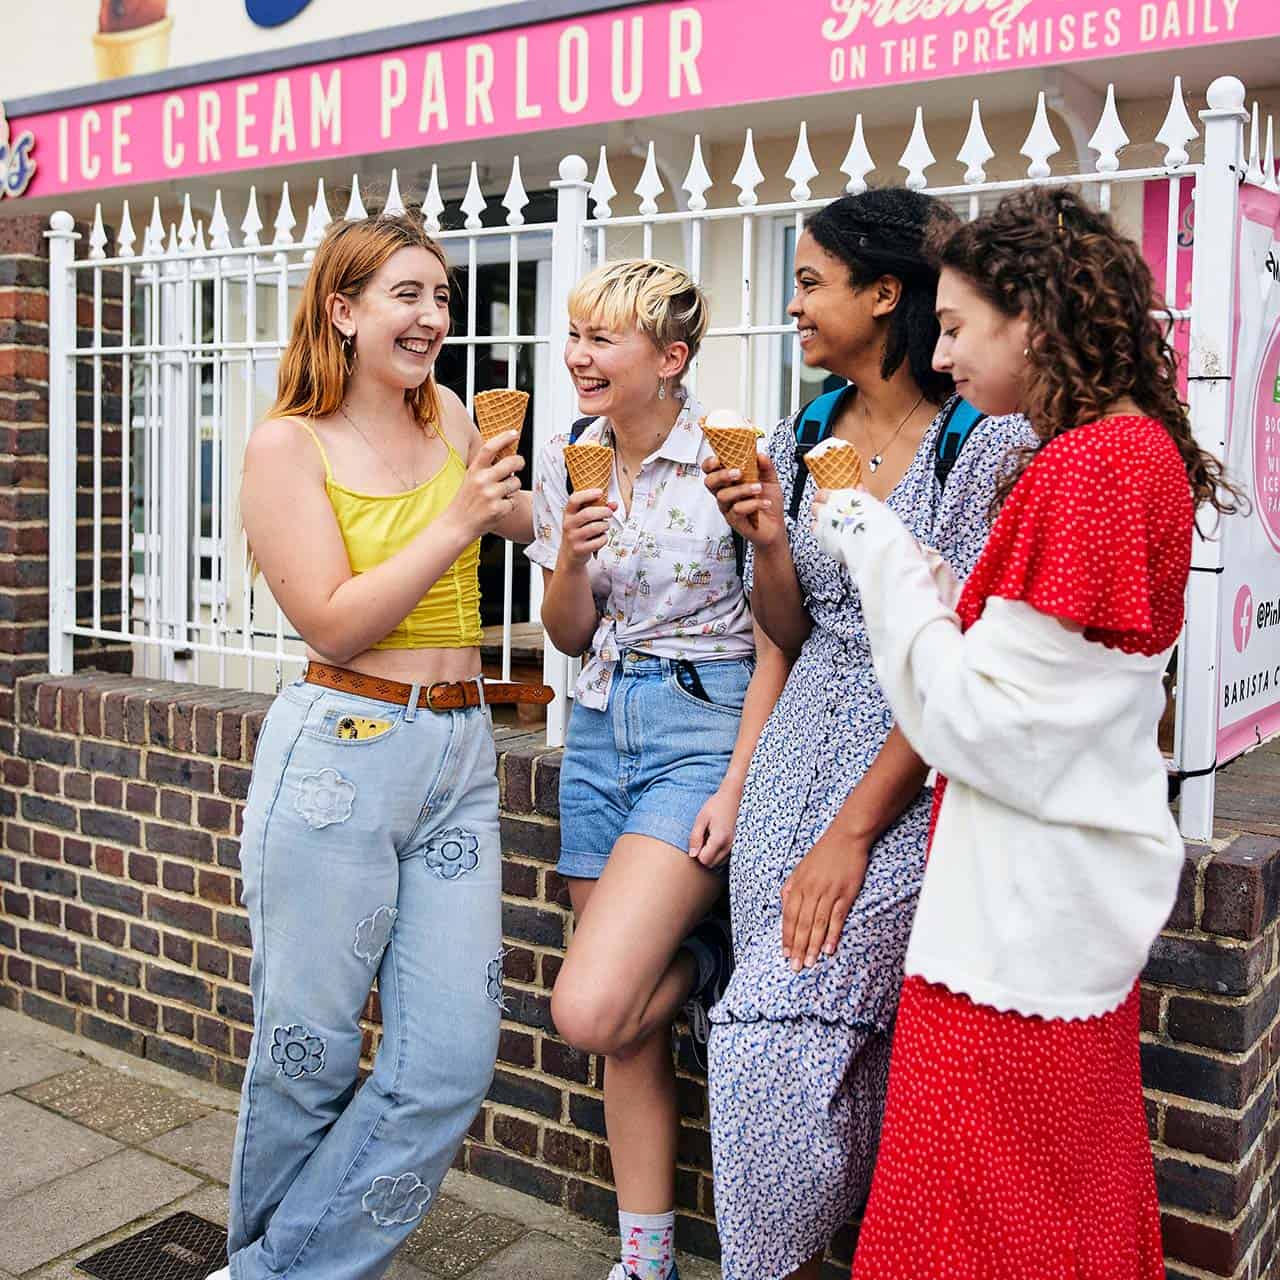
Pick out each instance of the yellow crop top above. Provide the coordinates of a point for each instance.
(376, 526)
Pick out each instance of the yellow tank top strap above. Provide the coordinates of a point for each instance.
(324, 457)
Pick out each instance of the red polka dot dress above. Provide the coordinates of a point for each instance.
(1015, 1147)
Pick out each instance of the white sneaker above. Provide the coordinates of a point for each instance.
(222, 1273)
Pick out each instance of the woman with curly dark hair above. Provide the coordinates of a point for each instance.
(828, 853)
(1015, 1140)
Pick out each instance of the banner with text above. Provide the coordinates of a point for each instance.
(646, 60)
(1249, 682)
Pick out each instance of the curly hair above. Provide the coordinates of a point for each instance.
(1094, 336)
(885, 233)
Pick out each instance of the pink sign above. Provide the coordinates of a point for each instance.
(643, 61)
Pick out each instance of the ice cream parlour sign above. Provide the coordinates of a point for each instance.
(645, 60)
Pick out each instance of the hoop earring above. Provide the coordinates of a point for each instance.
(348, 353)
(662, 388)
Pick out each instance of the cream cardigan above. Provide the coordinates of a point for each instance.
(1055, 860)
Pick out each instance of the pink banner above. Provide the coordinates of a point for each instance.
(644, 61)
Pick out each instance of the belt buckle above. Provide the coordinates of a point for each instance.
(431, 691)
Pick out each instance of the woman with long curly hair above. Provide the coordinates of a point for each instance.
(1015, 1138)
(370, 843)
(828, 853)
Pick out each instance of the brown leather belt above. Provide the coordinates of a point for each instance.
(443, 695)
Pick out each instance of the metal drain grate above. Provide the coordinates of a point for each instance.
(183, 1247)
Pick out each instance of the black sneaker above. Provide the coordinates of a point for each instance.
(711, 943)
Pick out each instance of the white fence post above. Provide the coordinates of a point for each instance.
(566, 267)
(62, 441)
(1213, 295)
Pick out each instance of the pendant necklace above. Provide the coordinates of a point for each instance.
(878, 457)
(377, 453)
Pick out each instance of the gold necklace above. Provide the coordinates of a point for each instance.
(386, 462)
(878, 457)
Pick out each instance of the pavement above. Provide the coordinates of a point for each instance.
(96, 1146)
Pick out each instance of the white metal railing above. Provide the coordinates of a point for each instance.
(239, 297)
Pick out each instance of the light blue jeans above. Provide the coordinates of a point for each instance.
(362, 857)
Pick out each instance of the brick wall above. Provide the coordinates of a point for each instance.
(120, 920)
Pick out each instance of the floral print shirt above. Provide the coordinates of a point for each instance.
(665, 583)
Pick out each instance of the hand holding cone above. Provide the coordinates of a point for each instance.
(835, 464)
(498, 411)
(589, 466)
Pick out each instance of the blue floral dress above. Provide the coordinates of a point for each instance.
(799, 1061)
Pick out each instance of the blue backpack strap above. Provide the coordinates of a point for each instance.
(958, 427)
(813, 426)
(579, 426)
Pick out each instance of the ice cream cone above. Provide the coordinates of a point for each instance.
(838, 465)
(590, 465)
(736, 447)
(133, 52)
(499, 411)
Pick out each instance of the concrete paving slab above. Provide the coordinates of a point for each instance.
(459, 1253)
(207, 1201)
(23, 1061)
(203, 1145)
(80, 1207)
(541, 1257)
(445, 1217)
(37, 1146)
(112, 1102)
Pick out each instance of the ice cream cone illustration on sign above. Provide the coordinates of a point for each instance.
(499, 411)
(834, 464)
(589, 465)
(735, 441)
(132, 37)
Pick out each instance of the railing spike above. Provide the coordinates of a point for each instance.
(473, 203)
(97, 235)
(219, 231)
(1254, 173)
(321, 209)
(1109, 138)
(802, 170)
(857, 162)
(516, 197)
(252, 223)
(126, 235)
(187, 227)
(394, 205)
(650, 187)
(285, 221)
(433, 202)
(748, 176)
(976, 150)
(602, 189)
(1271, 181)
(1040, 143)
(355, 206)
(697, 181)
(1177, 130)
(918, 155)
(153, 240)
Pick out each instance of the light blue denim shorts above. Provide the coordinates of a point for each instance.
(648, 762)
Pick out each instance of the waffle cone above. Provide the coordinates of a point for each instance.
(499, 411)
(836, 468)
(736, 447)
(590, 465)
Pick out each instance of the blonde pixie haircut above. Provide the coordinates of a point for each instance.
(661, 300)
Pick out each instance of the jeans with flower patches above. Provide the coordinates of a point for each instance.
(363, 856)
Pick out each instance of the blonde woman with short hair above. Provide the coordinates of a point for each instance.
(643, 581)
(370, 843)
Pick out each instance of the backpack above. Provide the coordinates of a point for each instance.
(813, 425)
(739, 542)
